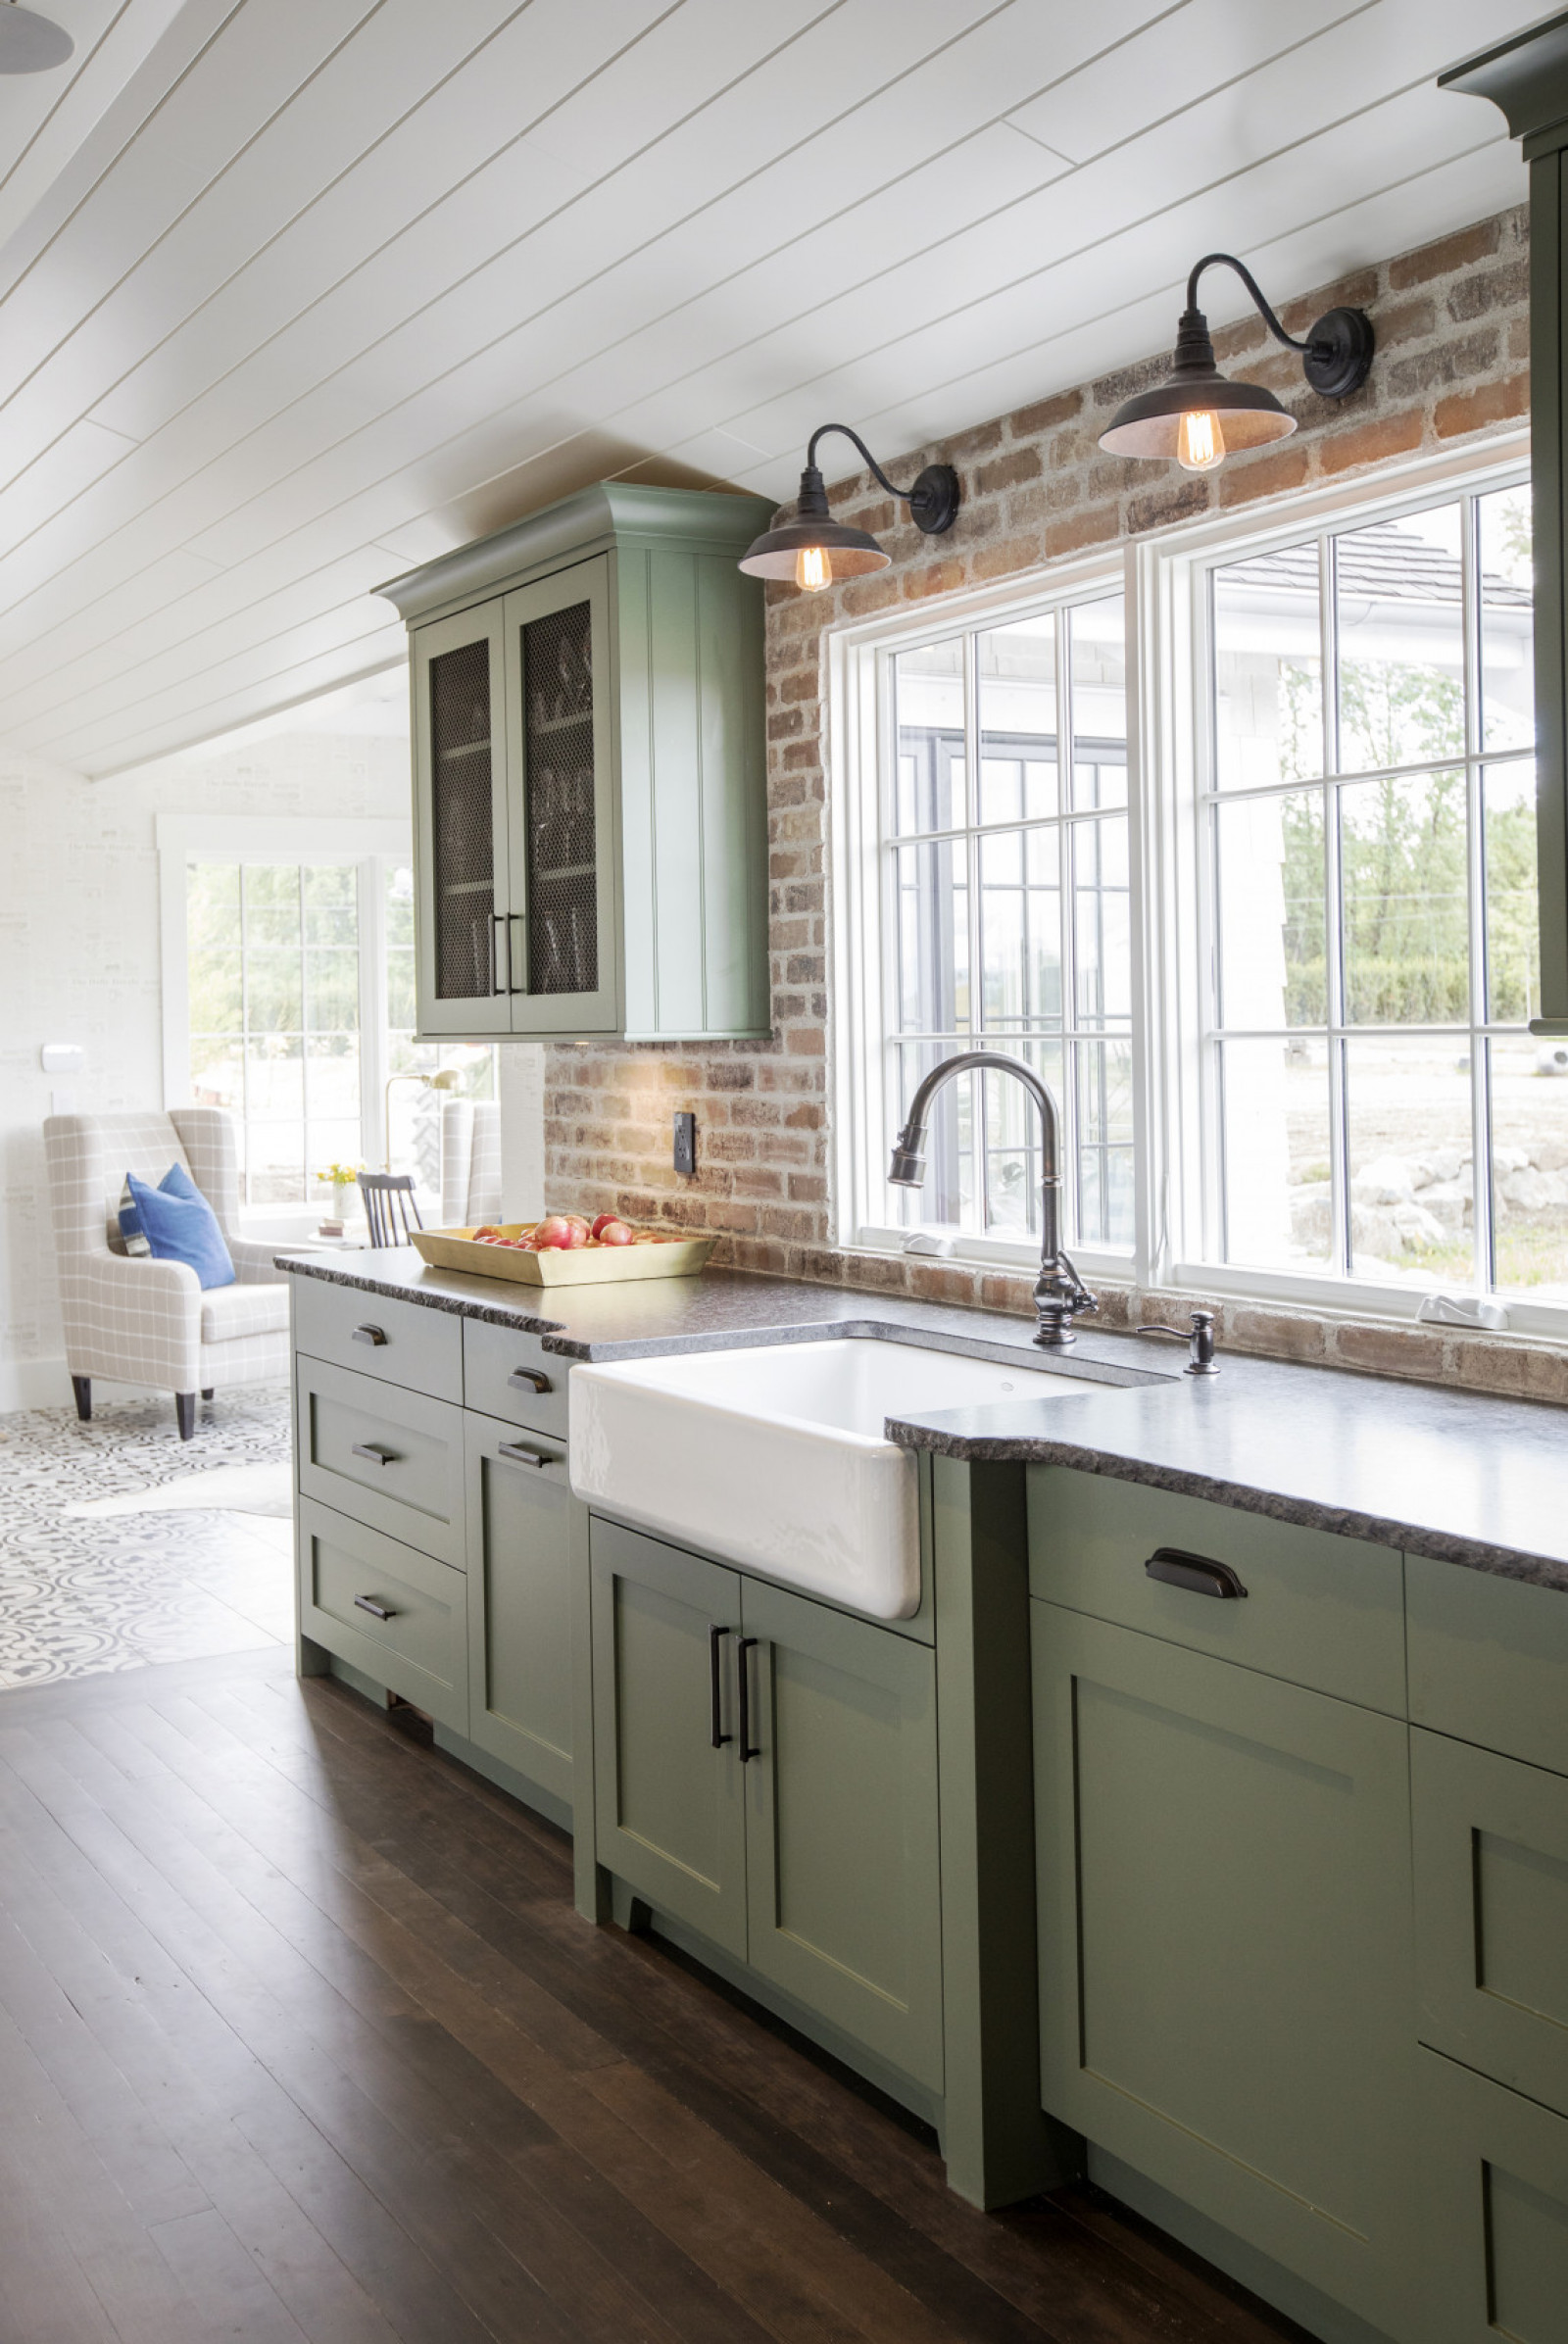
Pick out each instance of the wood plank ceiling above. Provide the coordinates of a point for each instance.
(297, 293)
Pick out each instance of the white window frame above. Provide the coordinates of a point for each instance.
(1163, 579)
(860, 726)
(369, 844)
(1173, 642)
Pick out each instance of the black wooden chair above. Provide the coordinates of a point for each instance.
(390, 1206)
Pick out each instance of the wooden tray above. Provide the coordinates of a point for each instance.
(603, 1265)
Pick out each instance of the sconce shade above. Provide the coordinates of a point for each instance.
(1149, 424)
(851, 553)
(813, 551)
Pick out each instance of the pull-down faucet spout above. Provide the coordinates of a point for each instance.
(1060, 1295)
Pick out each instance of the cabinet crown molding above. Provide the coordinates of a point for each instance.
(1526, 78)
(612, 512)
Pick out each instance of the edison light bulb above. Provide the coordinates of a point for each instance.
(813, 568)
(1199, 442)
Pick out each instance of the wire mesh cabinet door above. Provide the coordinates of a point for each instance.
(563, 809)
(465, 933)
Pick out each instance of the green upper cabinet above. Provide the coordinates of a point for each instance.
(589, 777)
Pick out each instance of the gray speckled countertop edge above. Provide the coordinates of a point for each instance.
(1377, 1530)
(733, 1311)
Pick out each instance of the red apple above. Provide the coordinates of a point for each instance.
(601, 1224)
(485, 1232)
(613, 1232)
(554, 1230)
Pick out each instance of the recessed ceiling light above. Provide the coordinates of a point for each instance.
(30, 43)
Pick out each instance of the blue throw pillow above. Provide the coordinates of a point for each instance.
(174, 1222)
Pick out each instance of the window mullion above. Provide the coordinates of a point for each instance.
(1481, 1201)
(971, 784)
(1067, 872)
(1333, 913)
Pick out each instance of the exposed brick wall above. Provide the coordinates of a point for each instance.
(1452, 328)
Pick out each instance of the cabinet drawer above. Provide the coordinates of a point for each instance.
(1494, 2211)
(392, 1459)
(1489, 1660)
(1492, 1913)
(414, 1639)
(502, 1371)
(1319, 1610)
(399, 1343)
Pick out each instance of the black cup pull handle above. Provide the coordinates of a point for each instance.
(527, 1379)
(744, 1677)
(377, 1611)
(516, 1454)
(1195, 1572)
(373, 1336)
(715, 1699)
(373, 1454)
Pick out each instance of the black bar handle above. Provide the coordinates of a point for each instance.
(525, 1378)
(514, 955)
(744, 1676)
(715, 1732)
(377, 1611)
(516, 1453)
(1195, 1572)
(373, 1336)
(498, 931)
(374, 1453)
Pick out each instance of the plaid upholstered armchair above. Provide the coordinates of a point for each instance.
(147, 1322)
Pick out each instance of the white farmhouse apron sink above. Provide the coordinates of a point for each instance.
(775, 1458)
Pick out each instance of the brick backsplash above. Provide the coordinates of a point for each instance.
(1452, 332)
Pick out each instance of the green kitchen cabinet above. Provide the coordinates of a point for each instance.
(844, 1891)
(1224, 1882)
(589, 783)
(765, 1773)
(519, 1603)
(1492, 1913)
(668, 1792)
(1494, 2177)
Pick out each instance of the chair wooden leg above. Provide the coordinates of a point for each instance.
(207, 1391)
(82, 1385)
(185, 1413)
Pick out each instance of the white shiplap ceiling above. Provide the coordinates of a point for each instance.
(297, 293)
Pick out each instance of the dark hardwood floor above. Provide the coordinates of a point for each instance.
(300, 2037)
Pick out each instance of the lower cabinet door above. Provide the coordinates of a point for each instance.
(1492, 1914)
(1495, 2211)
(397, 1614)
(666, 1771)
(519, 1601)
(1226, 1989)
(843, 1884)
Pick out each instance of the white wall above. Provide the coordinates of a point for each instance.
(79, 961)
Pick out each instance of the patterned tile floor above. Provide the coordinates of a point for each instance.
(121, 1591)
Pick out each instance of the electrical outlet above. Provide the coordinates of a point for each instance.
(685, 1143)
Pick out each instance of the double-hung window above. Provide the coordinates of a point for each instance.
(994, 906)
(1376, 1110)
(1271, 941)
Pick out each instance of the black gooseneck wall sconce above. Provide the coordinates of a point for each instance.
(1200, 419)
(815, 551)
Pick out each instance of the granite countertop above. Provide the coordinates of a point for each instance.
(1463, 1479)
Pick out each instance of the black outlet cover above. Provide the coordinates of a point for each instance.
(685, 1143)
